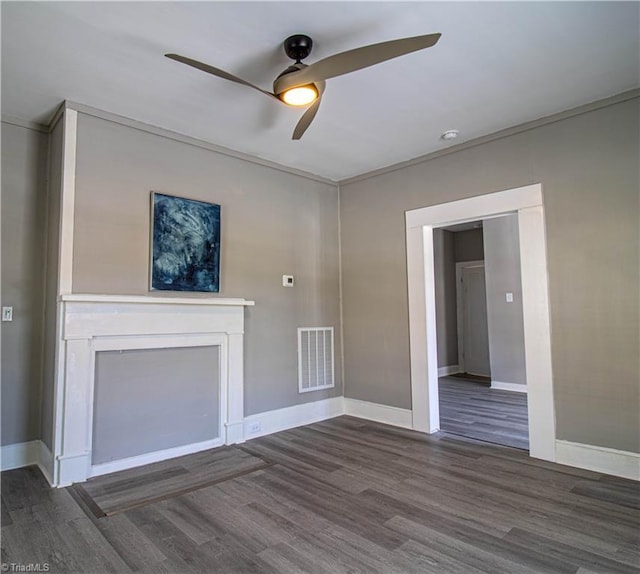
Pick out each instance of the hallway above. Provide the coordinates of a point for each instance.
(472, 409)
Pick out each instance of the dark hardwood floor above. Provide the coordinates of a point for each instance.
(471, 408)
(345, 495)
(120, 491)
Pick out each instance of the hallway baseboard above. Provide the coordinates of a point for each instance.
(516, 388)
(449, 370)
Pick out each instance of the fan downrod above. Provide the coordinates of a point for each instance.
(298, 47)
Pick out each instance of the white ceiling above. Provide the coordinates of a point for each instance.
(496, 65)
(467, 226)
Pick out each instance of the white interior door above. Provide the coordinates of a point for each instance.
(475, 333)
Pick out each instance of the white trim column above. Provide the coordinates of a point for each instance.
(537, 332)
(425, 413)
(74, 460)
(235, 405)
(67, 201)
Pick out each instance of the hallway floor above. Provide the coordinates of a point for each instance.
(472, 409)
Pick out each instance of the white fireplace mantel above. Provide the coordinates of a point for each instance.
(93, 323)
(152, 299)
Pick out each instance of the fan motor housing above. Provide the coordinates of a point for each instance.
(298, 46)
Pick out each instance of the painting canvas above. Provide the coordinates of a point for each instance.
(185, 240)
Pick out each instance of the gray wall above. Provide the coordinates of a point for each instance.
(273, 223)
(24, 164)
(445, 287)
(588, 166)
(469, 245)
(502, 275)
(153, 399)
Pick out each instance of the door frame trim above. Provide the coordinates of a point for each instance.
(527, 203)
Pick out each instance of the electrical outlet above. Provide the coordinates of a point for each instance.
(255, 428)
(7, 313)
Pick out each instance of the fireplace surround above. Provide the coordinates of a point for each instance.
(94, 323)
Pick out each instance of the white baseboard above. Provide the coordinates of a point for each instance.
(515, 387)
(19, 455)
(599, 459)
(290, 417)
(30, 453)
(380, 413)
(595, 458)
(157, 456)
(449, 370)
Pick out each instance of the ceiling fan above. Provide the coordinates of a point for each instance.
(303, 85)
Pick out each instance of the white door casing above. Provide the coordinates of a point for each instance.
(527, 203)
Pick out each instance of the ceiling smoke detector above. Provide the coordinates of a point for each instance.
(450, 135)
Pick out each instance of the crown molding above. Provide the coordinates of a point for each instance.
(513, 130)
(162, 132)
(520, 128)
(13, 121)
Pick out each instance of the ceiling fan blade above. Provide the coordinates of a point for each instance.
(216, 72)
(306, 119)
(356, 59)
(309, 114)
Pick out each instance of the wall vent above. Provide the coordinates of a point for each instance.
(315, 359)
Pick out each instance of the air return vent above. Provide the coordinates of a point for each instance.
(315, 358)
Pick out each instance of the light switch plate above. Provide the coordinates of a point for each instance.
(509, 297)
(287, 281)
(7, 313)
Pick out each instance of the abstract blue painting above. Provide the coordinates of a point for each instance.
(186, 244)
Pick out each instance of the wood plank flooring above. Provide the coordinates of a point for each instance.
(473, 409)
(113, 493)
(345, 495)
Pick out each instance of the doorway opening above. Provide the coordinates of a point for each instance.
(472, 320)
(481, 370)
(526, 203)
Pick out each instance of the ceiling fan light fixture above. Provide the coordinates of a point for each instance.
(299, 96)
(303, 85)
